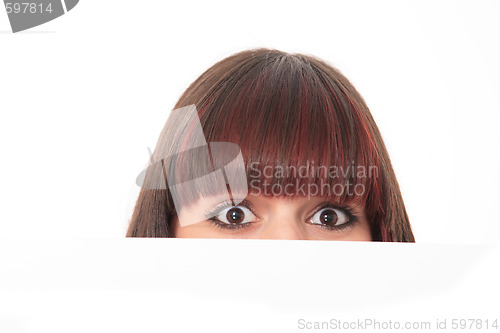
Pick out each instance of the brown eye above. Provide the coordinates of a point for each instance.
(236, 215)
(329, 217)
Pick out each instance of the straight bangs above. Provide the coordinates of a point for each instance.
(302, 132)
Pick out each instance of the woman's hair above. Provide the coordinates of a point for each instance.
(284, 111)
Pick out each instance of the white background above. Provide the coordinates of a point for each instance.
(83, 96)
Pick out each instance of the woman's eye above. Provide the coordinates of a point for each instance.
(236, 215)
(330, 217)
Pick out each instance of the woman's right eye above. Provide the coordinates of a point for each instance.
(235, 215)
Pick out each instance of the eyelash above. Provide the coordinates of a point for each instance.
(353, 218)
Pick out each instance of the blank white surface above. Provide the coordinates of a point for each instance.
(188, 285)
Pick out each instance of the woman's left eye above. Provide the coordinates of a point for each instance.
(235, 215)
(330, 217)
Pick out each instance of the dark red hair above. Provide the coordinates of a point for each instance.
(284, 110)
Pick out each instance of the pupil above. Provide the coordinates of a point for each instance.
(329, 217)
(235, 215)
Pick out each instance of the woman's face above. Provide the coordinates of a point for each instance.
(262, 217)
